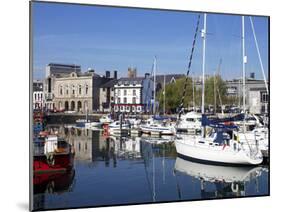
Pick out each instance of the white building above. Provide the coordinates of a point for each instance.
(133, 95)
(37, 95)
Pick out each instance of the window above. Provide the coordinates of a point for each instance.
(264, 97)
(125, 92)
(60, 90)
(66, 90)
(103, 89)
(134, 92)
(134, 100)
(125, 100)
(80, 89)
(119, 100)
(86, 90)
(118, 92)
(73, 89)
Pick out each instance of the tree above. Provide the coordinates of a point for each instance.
(174, 92)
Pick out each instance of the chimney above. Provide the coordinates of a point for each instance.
(252, 75)
(107, 74)
(115, 74)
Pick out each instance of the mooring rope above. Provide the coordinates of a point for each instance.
(189, 66)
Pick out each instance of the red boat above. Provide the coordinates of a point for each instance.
(52, 155)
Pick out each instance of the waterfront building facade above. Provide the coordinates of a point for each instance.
(107, 96)
(133, 95)
(72, 90)
(37, 95)
(255, 90)
(256, 95)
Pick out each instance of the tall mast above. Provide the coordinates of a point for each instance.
(164, 98)
(215, 95)
(244, 74)
(193, 93)
(203, 34)
(154, 86)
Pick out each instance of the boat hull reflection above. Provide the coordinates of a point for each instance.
(224, 181)
(53, 182)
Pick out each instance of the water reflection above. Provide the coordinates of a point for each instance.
(226, 181)
(51, 183)
(124, 170)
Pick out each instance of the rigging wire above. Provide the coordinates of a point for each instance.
(189, 66)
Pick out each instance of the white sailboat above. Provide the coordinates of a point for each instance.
(253, 131)
(217, 147)
(153, 126)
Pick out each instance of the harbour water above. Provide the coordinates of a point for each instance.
(115, 171)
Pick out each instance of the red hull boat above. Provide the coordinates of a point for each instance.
(52, 155)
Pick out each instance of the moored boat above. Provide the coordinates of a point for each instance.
(188, 122)
(52, 155)
(153, 126)
(220, 146)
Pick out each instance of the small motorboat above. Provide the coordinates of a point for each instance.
(153, 126)
(53, 154)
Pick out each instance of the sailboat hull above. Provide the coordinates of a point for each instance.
(215, 155)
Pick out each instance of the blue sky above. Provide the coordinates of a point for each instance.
(107, 38)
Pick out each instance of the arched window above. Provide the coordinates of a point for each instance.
(66, 90)
(87, 89)
(60, 90)
(79, 89)
(73, 89)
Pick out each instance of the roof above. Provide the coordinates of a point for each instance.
(79, 74)
(127, 80)
(109, 84)
(64, 65)
(169, 77)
